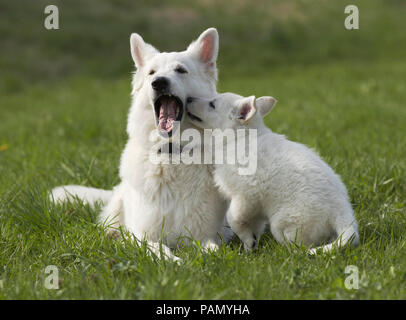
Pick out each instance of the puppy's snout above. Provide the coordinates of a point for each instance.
(160, 84)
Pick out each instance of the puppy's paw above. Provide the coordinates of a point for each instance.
(251, 244)
(323, 249)
(317, 250)
(210, 246)
(170, 257)
(113, 233)
(175, 259)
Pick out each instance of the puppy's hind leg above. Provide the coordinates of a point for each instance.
(347, 232)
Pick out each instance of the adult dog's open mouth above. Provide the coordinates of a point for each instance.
(168, 110)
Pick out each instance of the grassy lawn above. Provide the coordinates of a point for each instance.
(59, 129)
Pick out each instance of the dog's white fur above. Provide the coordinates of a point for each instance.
(163, 201)
(293, 189)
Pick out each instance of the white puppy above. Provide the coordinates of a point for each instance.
(293, 189)
(157, 201)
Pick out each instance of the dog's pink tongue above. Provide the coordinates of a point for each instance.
(167, 114)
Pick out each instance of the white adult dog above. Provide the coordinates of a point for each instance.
(300, 196)
(157, 201)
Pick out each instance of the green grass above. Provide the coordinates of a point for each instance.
(343, 99)
(51, 141)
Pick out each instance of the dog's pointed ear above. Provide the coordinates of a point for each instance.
(246, 109)
(265, 105)
(206, 48)
(141, 51)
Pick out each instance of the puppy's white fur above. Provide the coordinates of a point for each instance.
(300, 196)
(163, 201)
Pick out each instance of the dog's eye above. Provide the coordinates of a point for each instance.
(151, 72)
(211, 104)
(180, 69)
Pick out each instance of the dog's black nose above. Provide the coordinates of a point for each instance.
(160, 83)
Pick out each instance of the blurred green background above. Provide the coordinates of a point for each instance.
(94, 34)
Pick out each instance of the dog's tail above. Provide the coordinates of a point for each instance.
(347, 234)
(86, 194)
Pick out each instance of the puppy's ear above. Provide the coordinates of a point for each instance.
(206, 48)
(141, 51)
(265, 104)
(246, 109)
